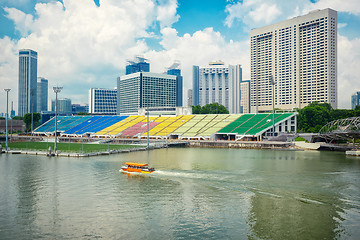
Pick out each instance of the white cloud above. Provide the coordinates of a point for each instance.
(198, 49)
(81, 45)
(349, 6)
(265, 13)
(8, 72)
(252, 13)
(77, 39)
(23, 22)
(348, 69)
(342, 25)
(166, 13)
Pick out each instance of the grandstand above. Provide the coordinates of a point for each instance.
(182, 127)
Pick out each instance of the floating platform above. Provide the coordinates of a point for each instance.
(353, 153)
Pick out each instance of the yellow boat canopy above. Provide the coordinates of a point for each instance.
(136, 164)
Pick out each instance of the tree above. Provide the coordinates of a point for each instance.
(83, 113)
(196, 109)
(27, 120)
(212, 108)
(18, 118)
(314, 116)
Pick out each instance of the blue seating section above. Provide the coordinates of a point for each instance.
(99, 124)
(49, 126)
(88, 123)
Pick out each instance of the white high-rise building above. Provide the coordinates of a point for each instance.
(218, 83)
(245, 96)
(102, 101)
(298, 56)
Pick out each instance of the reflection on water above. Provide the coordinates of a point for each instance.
(195, 193)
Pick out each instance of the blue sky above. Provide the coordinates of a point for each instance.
(85, 43)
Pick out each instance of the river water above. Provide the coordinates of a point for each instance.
(196, 193)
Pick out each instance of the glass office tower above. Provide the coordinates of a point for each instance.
(143, 89)
(175, 71)
(27, 94)
(355, 100)
(42, 94)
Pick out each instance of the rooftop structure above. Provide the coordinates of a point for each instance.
(139, 64)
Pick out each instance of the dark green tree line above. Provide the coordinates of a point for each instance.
(314, 116)
(212, 108)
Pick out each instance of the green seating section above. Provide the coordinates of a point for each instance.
(251, 124)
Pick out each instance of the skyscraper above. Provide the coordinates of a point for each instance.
(63, 106)
(144, 89)
(139, 64)
(175, 70)
(189, 97)
(102, 101)
(355, 100)
(245, 96)
(27, 82)
(217, 83)
(42, 94)
(298, 57)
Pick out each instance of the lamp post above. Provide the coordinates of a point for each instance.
(56, 90)
(11, 128)
(272, 81)
(147, 110)
(7, 115)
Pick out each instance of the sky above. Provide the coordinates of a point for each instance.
(85, 44)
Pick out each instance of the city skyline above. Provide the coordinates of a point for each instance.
(92, 52)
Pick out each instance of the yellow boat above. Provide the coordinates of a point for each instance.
(136, 168)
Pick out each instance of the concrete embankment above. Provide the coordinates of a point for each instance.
(72, 154)
(355, 153)
(232, 144)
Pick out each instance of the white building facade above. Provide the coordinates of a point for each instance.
(102, 101)
(245, 96)
(300, 56)
(218, 83)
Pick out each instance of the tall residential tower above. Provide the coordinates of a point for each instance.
(296, 57)
(27, 82)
